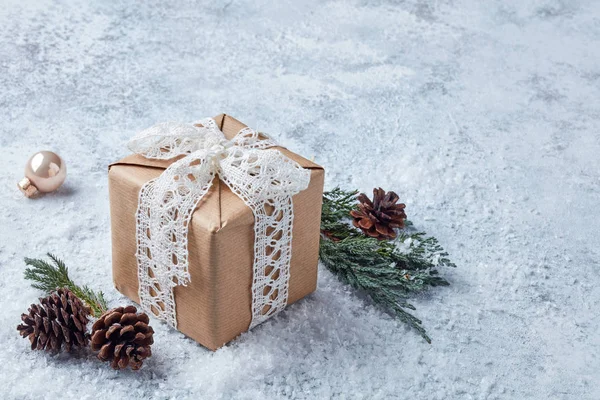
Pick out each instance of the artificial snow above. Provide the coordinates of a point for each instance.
(482, 115)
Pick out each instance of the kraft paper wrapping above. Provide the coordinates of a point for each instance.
(215, 306)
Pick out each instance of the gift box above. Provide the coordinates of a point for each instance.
(215, 305)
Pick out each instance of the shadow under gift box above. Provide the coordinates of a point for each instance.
(215, 306)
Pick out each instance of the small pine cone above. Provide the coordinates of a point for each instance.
(379, 217)
(123, 336)
(60, 321)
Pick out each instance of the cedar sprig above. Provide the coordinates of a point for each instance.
(388, 271)
(49, 277)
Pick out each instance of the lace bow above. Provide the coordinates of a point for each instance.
(263, 178)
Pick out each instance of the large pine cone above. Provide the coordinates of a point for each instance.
(123, 337)
(379, 217)
(58, 322)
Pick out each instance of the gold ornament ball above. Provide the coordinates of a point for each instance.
(44, 172)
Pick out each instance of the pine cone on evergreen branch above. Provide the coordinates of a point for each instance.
(123, 336)
(379, 268)
(58, 322)
(379, 217)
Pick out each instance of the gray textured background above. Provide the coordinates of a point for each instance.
(483, 115)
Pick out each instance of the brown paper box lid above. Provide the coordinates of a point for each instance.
(232, 212)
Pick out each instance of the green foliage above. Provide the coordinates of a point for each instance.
(49, 277)
(388, 271)
(337, 205)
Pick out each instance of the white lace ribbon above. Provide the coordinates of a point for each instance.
(263, 178)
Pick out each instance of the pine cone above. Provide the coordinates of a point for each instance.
(379, 217)
(123, 336)
(60, 319)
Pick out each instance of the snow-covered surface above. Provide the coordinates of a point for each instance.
(483, 115)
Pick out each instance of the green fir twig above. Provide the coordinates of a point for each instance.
(388, 271)
(49, 277)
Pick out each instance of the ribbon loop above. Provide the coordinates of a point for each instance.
(171, 139)
(263, 178)
(260, 175)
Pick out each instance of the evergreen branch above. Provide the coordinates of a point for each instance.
(387, 271)
(49, 277)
